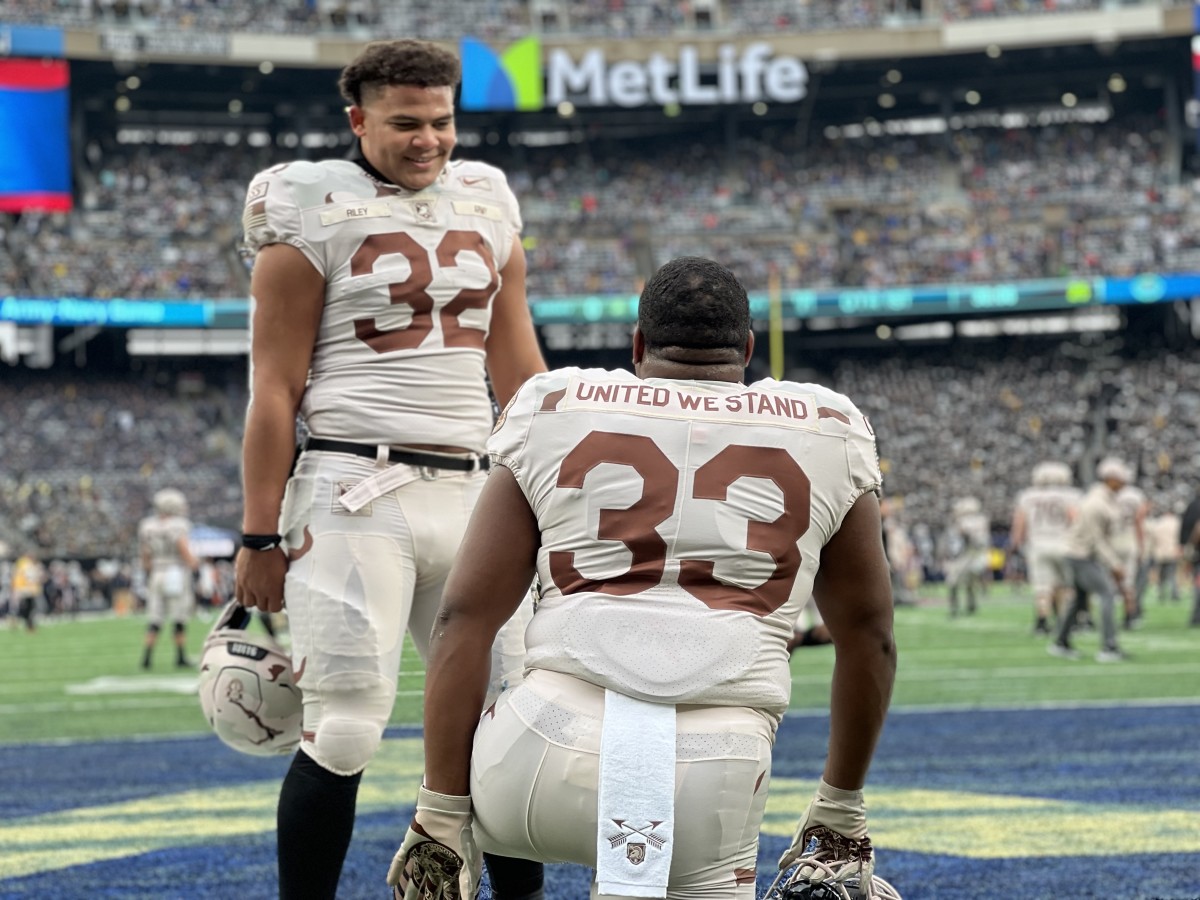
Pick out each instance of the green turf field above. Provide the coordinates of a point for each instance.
(81, 679)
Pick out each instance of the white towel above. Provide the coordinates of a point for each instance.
(374, 487)
(636, 799)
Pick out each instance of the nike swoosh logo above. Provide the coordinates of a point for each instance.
(469, 181)
(299, 673)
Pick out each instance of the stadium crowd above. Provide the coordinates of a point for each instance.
(84, 456)
(971, 205)
(510, 19)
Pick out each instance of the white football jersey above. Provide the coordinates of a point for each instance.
(1162, 538)
(159, 536)
(1048, 512)
(681, 525)
(410, 279)
(975, 530)
(1131, 500)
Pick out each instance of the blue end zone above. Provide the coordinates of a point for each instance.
(1133, 754)
(1093, 769)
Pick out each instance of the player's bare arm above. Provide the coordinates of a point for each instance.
(853, 592)
(1016, 537)
(513, 354)
(490, 578)
(289, 296)
(185, 553)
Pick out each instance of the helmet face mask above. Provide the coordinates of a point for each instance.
(791, 885)
(247, 689)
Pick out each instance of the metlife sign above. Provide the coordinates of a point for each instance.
(520, 79)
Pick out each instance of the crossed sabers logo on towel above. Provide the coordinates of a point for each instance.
(635, 852)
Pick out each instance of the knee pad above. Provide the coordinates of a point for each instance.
(344, 746)
(153, 628)
(346, 718)
(179, 627)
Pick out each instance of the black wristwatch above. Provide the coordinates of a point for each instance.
(261, 542)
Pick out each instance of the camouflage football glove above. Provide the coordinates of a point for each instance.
(833, 831)
(438, 859)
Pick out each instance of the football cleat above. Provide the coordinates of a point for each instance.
(247, 688)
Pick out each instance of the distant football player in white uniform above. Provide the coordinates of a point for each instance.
(965, 570)
(168, 563)
(677, 519)
(387, 289)
(1163, 553)
(1096, 561)
(1042, 516)
(1130, 541)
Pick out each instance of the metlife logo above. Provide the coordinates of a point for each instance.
(515, 80)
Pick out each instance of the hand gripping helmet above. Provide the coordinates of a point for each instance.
(247, 690)
(790, 885)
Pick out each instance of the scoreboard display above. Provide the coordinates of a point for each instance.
(35, 158)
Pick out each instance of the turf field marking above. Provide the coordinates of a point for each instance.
(1002, 826)
(97, 705)
(43, 843)
(960, 823)
(132, 684)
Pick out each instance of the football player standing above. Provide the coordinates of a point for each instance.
(1042, 515)
(168, 563)
(677, 519)
(387, 288)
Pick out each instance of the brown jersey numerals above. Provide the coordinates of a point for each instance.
(413, 291)
(636, 525)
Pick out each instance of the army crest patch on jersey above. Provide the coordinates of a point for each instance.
(423, 211)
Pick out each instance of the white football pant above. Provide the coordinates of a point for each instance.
(536, 764)
(356, 582)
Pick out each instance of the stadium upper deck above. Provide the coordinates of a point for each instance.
(508, 19)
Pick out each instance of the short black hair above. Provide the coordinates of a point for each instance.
(382, 63)
(695, 303)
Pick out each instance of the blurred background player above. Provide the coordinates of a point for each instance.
(1189, 541)
(809, 629)
(970, 539)
(1130, 541)
(387, 288)
(168, 564)
(1041, 516)
(28, 585)
(1096, 562)
(1161, 555)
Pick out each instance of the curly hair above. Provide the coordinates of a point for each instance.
(382, 63)
(694, 303)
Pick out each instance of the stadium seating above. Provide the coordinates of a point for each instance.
(82, 456)
(981, 204)
(509, 19)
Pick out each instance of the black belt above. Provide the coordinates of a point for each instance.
(406, 457)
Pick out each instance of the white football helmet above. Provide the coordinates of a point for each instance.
(966, 506)
(1062, 474)
(1111, 467)
(247, 690)
(170, 502)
